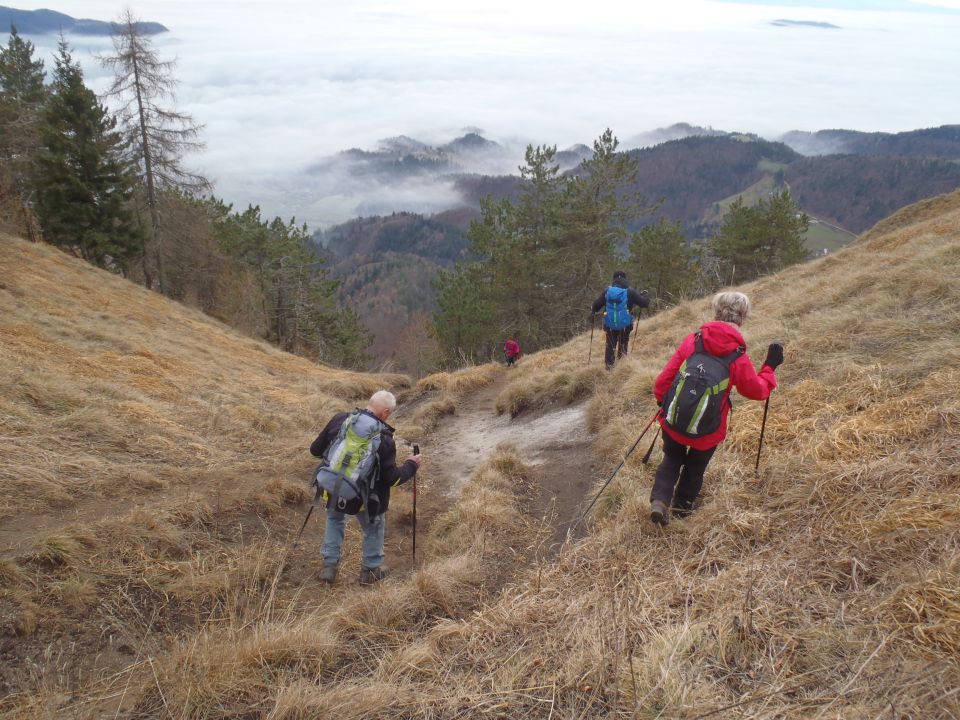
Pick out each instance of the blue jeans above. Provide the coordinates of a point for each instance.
(372, 537)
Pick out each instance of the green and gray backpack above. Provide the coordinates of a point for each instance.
(692, 405)
(348, 475)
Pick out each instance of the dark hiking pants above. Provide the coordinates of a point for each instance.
(617, 342)
(680, 475)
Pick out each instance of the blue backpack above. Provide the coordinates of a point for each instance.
(617, 316)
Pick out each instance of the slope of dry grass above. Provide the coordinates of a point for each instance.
(137, 439)
(827, 585)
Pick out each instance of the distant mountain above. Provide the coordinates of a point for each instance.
(402, 157)
(44, 22)
(804, 24)
(677, 131)
(938, 142)
(694, 178)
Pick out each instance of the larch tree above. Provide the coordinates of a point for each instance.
(82, 181)
(157, 134)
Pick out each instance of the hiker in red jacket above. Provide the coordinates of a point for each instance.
(686, 454)
(511, 348)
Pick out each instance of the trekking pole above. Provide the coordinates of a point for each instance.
(416, 451)
(614, 474)
(763, 426)
(646, 458)
(593, 323)
(305, 520)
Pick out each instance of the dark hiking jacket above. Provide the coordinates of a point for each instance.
(719, 338)
(389, 474)
(634, 299)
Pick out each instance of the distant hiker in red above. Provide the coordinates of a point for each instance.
(619, 300)
(693, 391)
(511, 348)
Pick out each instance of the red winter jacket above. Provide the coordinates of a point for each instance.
(719, 338)
(511, 348)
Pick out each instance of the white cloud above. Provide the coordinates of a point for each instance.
(281, 85)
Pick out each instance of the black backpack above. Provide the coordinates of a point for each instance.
(691, 406)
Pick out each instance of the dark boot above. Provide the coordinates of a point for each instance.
(329, 573)
(371, 576)
(659, 514)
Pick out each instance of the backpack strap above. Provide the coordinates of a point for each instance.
(725, 359)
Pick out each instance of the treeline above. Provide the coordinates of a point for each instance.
(537, 263)
(112, 188)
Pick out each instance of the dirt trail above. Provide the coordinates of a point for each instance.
(555, 441)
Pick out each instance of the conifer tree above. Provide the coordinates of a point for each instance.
(22, 94)
(755, 241)
(538, 263)
(158, 135)
(297, 296)
(661, 262)
(83, 186)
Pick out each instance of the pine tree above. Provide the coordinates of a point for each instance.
(757, 241)
(22, 94)
(661, 262)
(599, 205)
(158, 135)
(538, 263)
(83, 186)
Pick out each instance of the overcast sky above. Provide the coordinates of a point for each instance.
(281, 84)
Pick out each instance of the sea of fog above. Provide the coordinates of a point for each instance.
(281, 85)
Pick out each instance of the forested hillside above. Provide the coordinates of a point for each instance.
(938, 142)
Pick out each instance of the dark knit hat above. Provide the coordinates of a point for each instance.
(619, 275)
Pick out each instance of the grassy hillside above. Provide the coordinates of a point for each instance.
(825, 585)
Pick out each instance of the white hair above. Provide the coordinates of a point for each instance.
(382, 400)
(731, 307)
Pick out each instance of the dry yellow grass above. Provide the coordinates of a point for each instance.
(823, 586)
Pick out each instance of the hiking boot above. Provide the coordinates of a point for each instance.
(683, 509)
(659, 515)
(371, 576)
(329, 573)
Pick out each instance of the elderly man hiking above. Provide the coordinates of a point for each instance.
(359, 468)
(619, 299)
(693, 391)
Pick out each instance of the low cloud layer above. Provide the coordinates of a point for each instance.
(282, 87)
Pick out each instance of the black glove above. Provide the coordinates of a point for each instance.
(774, 355)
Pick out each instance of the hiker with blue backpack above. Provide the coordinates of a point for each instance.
(618, 302)
(355, 478)
(693, 392)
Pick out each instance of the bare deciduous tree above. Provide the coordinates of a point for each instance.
(158, 135)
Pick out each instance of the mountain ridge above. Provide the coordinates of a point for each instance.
(45, 22)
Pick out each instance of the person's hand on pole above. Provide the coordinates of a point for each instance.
(774, 355)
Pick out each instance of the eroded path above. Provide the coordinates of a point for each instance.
(554, 440)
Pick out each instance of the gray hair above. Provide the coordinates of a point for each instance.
(731, 307)
(382, 400)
